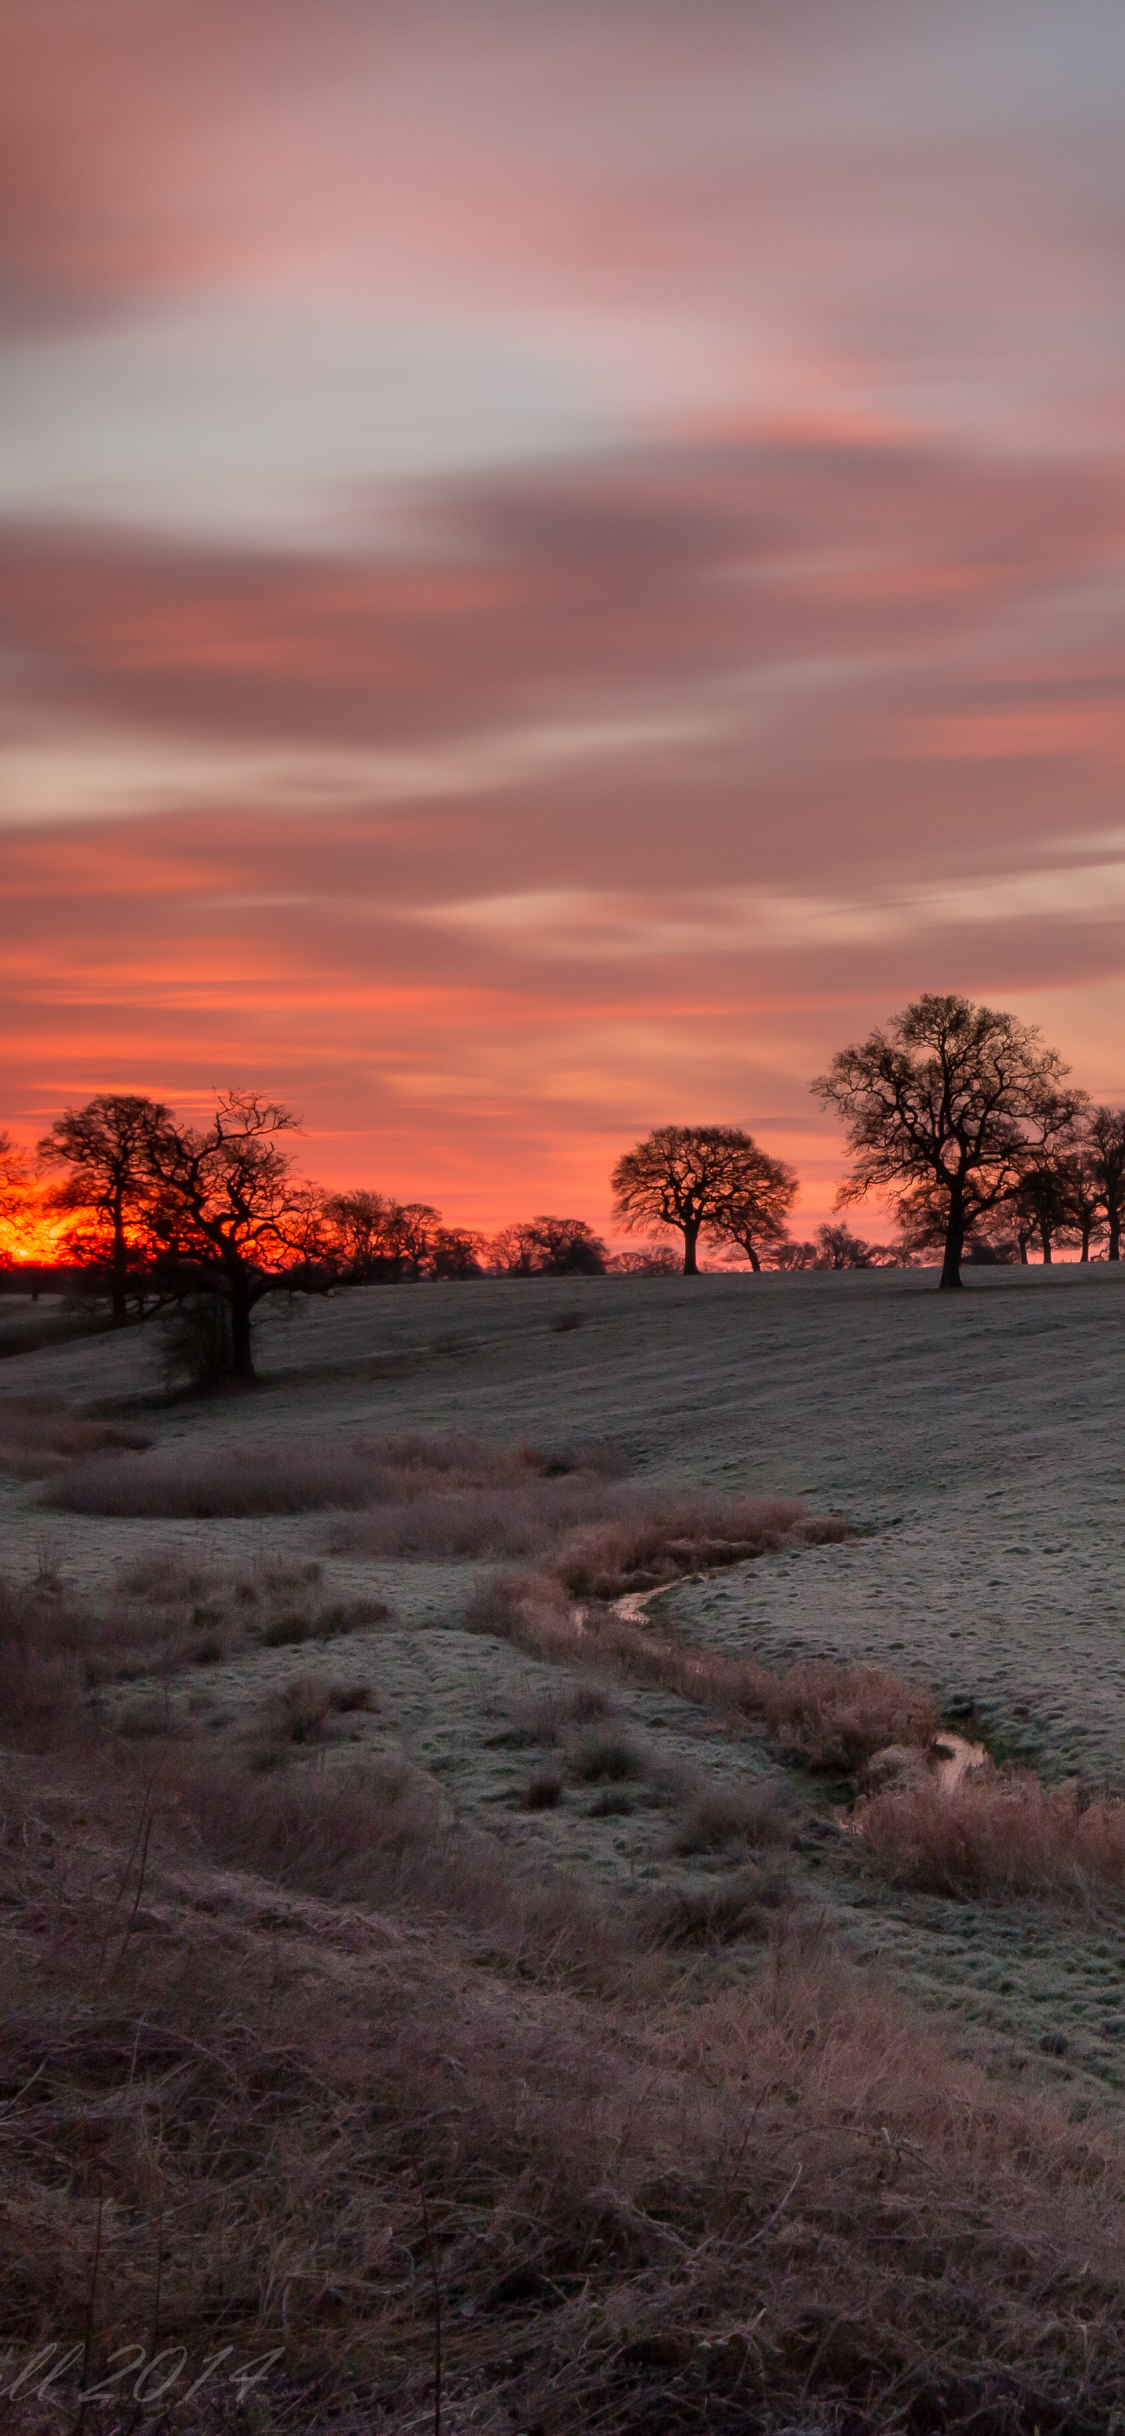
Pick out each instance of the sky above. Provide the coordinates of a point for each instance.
(560, 560)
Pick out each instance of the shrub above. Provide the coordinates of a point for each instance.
(544, 1792)
(997, 1833)
(720, 1912)
(759, 1816)
(606, 1759)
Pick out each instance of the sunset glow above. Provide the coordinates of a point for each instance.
(558, 563)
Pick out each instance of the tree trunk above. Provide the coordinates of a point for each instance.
(753, 1259)
(954, 1244)
(691, 1238)
(1085, 1251)
(1045, 1240)
(242, 1358)
(1114, 1252)
(120, 1278)
(1024, 1263)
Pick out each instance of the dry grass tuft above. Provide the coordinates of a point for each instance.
(39, 1433)
(451, 1497)
(607, 1759)
(651, 1537)
(722, 1911)
(299, 1476)
(757, 1815)
(999, 1833)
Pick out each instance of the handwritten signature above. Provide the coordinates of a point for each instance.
(153, 2380)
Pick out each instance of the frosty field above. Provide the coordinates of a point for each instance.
(970, 1443)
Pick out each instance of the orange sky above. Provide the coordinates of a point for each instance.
(558, 562)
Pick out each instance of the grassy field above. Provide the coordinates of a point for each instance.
(336, 1771)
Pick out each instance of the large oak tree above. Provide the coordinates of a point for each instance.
(958, 1099)
(703, 1179)
(233, 1218)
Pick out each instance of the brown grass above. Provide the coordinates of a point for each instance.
(1000, 1833)
(299, 1476)
(59, 1653)
(830, 1718)
(714, 1818)
(39, 1433)
(452, 1497)
(781, 2203)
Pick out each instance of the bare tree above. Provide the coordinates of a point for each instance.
(840, 1249)
(1104, 1148)
(549, 1247)
(233, 1218)
(103, 1150)
(356, 1225)
(687, 1178)
(957, 1097)
(1042, 1208)
(795, 1256)
(410, 1232)
(753, 1217)
(652, 1260)
(457, 1252)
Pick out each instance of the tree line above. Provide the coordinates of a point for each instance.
(955, 1112)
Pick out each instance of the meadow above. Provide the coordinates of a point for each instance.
(484, 1921)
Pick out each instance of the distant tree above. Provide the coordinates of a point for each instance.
(794, 1255)
(1084, 1202)
(103, 1150)
(1104, 1154)
(957, 1097)
(1042, 1208)
(457, 1252)
(356, 1225)
(753, 1217)
(840, 1249)
(688, 1178)
(410, 1231)
(549, 1247)
(232, 1218)
(652, 1260)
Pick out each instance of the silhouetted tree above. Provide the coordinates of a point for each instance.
(356, 1230)
(549, 1247)
(457, 1252)
(754, 1214)
(652, 1260)
(686, 1177)
(840, 1249)
(794, 1255)
(103, 1149)
(233, 1219)
(1104, 1151)
(410, 1231)
(1042, 1208)
(958, 1097)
